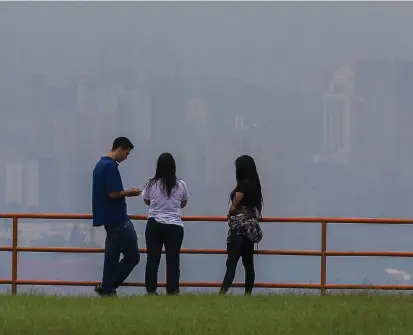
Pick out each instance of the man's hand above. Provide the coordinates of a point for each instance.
(133, 192)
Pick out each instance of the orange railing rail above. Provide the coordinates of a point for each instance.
(323, 253)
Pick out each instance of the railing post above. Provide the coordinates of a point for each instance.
(14, 256)
(323, 267)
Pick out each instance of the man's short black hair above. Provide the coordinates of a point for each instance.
(123, 143)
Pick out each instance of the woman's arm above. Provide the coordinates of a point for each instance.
(145, 194)
(185, 194)
(235, 202)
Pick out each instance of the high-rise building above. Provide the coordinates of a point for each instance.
(168, 104)
(368, 119)
(133, 112)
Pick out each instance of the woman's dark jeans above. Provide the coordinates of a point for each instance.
(171, 236)
(239, 247)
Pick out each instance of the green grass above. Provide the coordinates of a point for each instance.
(199, 315)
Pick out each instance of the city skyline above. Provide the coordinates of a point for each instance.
(317, 93)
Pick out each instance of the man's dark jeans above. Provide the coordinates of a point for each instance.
(120, 238)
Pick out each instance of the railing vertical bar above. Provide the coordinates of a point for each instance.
(14, 256)
(323, 267)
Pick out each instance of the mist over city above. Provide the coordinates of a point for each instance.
(319, 94)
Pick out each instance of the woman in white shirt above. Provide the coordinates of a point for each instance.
(165, 195)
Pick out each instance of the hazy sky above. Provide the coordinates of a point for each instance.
(284, 44)
(273, 42)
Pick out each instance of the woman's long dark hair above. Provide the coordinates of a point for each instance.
(246, 170)
(165, 173)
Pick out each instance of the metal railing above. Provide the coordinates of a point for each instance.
(323, 253)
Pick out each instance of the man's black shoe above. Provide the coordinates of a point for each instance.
(99, 291)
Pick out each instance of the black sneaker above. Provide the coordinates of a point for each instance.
(222, 292)
(99, 291)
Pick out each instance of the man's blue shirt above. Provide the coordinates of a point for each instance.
(107, 179)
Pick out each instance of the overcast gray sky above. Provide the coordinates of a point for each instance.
(273, 42)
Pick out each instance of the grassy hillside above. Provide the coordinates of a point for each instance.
(361, 314)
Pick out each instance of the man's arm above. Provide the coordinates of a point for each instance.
(114, 184)
(118, 195)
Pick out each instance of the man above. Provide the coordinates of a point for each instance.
(110, 210)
